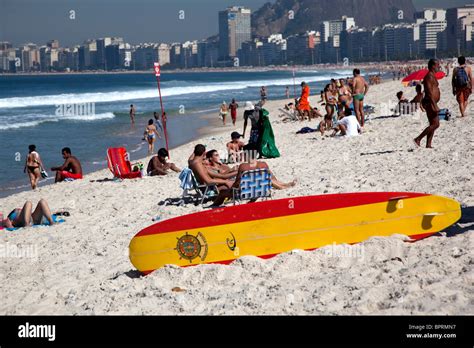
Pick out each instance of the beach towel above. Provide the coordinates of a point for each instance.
(186, 178)
(56, 219)
(268, 148)
(306, 130)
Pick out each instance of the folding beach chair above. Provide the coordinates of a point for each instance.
(254, 184)
(119, 164)
(190, 183)
(292, 116)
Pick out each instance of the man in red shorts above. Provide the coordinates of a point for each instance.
(462, 84)
(71, 169)
(233, 111)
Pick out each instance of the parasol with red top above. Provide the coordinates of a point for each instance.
(419, 75)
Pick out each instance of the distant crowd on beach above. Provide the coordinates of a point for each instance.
(344, 114)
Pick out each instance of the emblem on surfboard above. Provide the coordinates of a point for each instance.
(231, 242)
(189, 247)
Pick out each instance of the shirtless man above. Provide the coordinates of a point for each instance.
(159, 166)
(462, 84)
(359, 91)
(235, 147)
(71, 169)
(430, 103)
(196, 164)
(132, 114)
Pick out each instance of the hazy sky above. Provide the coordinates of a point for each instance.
(136, 21)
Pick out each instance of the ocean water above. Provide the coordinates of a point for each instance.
(90, 112)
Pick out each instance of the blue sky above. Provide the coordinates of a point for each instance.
(136, 20)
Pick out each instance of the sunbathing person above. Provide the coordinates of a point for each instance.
(71, 168)
(235, 147)
(216, 168)
(159, 166)
(345, 96)
(200, 171)
(23, 217)
(252, 164)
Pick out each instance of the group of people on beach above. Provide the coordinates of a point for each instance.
(343, 100)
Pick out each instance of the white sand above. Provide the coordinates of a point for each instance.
(82, 265)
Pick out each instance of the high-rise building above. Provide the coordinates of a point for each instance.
(429, 33)
(304, 48)
(234, 29)
(164, 54)
(208, 53)
(53, 44)
(459, 28)
(29, 58)
(335, 27)
(145, 55)
(175, 55)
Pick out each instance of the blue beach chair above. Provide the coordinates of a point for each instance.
(254, 184)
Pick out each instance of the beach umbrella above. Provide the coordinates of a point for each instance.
(419, 75)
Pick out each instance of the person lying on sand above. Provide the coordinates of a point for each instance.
(196, 164)
(235, 147)
(252, 164)
(23, 217)
(71, 168)
(159, 166)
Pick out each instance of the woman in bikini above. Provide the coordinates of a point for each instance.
(23, 217)
(150, 135)
(33, 166)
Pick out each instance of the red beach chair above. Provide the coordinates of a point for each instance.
(119, 164)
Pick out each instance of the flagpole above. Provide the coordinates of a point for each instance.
(294, 83)
(163, 115)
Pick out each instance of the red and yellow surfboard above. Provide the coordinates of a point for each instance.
(271, 227)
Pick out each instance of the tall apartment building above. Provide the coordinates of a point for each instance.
(459, 28)
(234, 29)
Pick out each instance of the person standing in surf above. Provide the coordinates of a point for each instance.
(33, 166)
(233, 111)
(430, 103)
(132, 114)
(150, 135)
(359, 91)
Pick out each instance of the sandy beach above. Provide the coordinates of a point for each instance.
(82, 267)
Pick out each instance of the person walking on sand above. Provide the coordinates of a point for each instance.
(132, 114)
(150, 135)
(462, 84)
(33, 166)
(233, 106)
(359, 91)
(430, 103)
(223, 112)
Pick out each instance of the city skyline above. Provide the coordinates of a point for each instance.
(51, 19)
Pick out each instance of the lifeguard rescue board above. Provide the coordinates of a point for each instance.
(271, 227)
